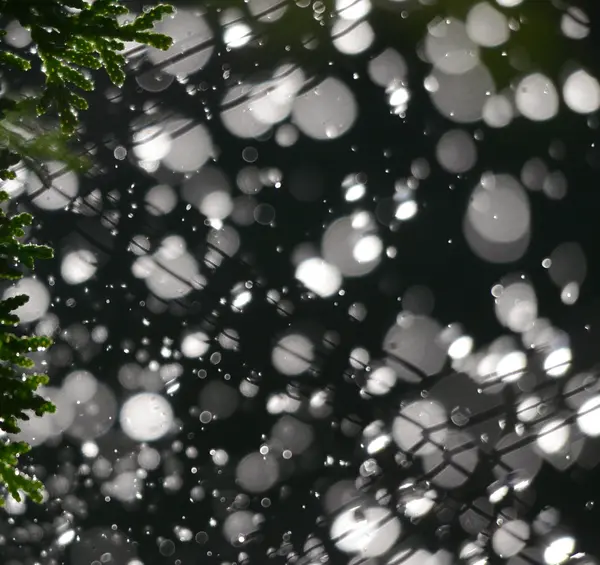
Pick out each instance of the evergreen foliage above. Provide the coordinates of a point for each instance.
(71, 38)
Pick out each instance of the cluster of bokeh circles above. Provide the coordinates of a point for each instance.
(228, 386)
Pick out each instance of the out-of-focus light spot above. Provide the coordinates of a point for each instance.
(461, 97)
(570, 293)
(370, 531)
(351, 37)
(220, 457)
(581, 92)
(80, 386)
(340, 239)
(65, 538)
(237, 35)
(219, 399)
(148, 458)
(389, 67)
(510, 538)
(293, 354)
(190, 147)
(487, 26)
(241, 299)
(354, 191)
(239, 526)
(172, 273)
(553, 436)
(195, 344)
(151, 143)
(558, 362)
(512, 366)
(319, 277)
(62, 191)
(461, 347)
(413, 342)
(420, 424)
(146, 417)
(398, 97)
(326, 111)
(16, 35)
(367, 249)
(78, 266)
(160, 200)
(406, 210)
(497, 492)
(380, 381)
(449, 48)
(516, 306)
(292, 434)
(567, 264)
(509, 3)
(536, 97)
(588, 417)
(267, 11)
(378, 443)
(38, 303)
(90, 449)
(456, 151)
(352, 9)
(497, 224)
(498, 111)
(559, 551)
(15, 507)
(257, 473)
(575, 23)
(527, 409)
(192, 43)
(286, 135)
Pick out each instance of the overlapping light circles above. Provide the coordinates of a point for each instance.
(209, 190)
(171, 271)
(178, 144)
(39, 299)
(413, 347)
(78, 266)
(250, 109)
(267, 11)
(192, 44)
(325, 111)
(63, 189)
(368, 531)
(516, 306)
(420, 427)
(293, 354)
(461, 97)
(387, 68)
(487, 26)
(449, 48)
(352, 245)
(497, 224)
(319, 277)
(445, 426)
(146, 416)
(351, 33)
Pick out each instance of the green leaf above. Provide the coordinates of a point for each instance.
(13, 60)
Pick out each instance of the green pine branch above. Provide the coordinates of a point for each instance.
(18, 395)
(72, 38)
